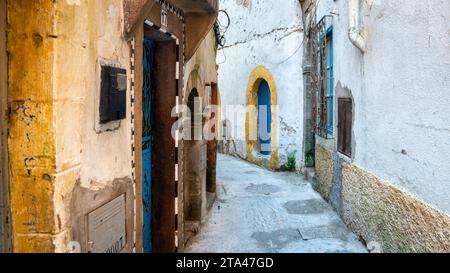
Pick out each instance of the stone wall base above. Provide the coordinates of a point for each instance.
(324, 171)
(378, 212)
(381, 213)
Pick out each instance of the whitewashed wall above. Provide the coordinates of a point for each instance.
(401, 90)
(267, 33)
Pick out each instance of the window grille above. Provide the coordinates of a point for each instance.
(322, 77)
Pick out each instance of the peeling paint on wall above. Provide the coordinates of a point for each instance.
(53, 144)
(245, 3)
(275, 44)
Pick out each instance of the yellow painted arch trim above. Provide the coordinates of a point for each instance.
(259, 74)
(194, 82)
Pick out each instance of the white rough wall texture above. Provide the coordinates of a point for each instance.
(268, 34)
(401, 91)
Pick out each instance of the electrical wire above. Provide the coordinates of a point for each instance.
(220, 29)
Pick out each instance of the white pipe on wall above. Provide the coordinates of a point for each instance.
(354, 30)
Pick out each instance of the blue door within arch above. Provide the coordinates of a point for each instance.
(264, 118)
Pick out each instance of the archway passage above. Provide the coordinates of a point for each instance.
(193, 186)
(194, 106)
(264, 118)
(261, 125)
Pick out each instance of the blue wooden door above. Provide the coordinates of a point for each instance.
(264, 118)
(149, 49)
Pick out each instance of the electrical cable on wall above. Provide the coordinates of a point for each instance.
(220, 28)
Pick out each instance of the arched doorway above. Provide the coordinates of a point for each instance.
(194, 190)
(194, 105)
(261, 126)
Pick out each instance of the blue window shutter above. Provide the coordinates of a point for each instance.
(330, 82)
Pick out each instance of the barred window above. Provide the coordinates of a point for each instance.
(323, 81)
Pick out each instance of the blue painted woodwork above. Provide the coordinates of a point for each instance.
(149, 53)
(330, 83)
(264, 118)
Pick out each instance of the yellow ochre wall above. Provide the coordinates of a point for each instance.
(5, 241)
(31, 46)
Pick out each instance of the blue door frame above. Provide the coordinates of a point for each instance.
(328, 35)
(330, 76)
(149, 53)
(264, 118)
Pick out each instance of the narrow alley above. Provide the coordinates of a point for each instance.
(259, 211)
(224, 126)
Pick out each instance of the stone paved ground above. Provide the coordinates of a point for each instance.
(259, 211)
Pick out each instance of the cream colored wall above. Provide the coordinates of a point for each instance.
(89, 32)
(92, 32)
(204, 60)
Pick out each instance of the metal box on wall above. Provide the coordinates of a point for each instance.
(106, 227)
(113, 94)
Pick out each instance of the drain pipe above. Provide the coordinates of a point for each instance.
(354, 30)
